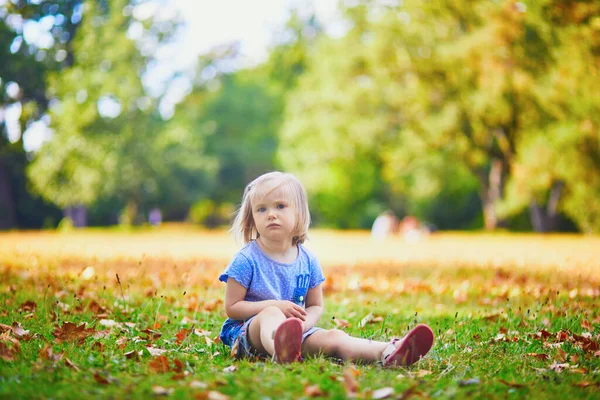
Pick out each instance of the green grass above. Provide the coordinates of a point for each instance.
(488, 323)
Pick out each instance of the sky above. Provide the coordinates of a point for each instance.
(253, 24)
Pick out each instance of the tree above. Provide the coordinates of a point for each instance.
(108, 141)
(22, 83)
(425, 92)
(557, 168)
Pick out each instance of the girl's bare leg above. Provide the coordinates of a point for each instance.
(262, 327)
(338, 344)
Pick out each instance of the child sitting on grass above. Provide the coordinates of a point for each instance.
(274, 295)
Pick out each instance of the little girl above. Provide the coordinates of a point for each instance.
(274, 295)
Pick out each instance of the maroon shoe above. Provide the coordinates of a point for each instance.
(410, 349)
(288, 341)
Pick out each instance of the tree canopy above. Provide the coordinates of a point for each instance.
(465, 114)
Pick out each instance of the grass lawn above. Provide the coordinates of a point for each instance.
(113, 314)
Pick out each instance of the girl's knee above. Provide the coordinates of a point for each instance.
(335, 340)
(271, 312)
(336, 335)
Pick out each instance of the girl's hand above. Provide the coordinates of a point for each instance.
(290, 309)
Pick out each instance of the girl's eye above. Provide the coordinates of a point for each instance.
(281, 206)
(262, 209)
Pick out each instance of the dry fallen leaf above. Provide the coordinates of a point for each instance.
(155, 351)
(101, 379)
(47, 353)
(512, 384)
(71, 332)
(539, 356)
(7, 353)
(214, 395)
(71, 365)
(28, 306)
(313, 391)
(160, 365)
(350, 382)
(587, 325)
(161, 391)
(341, 323)
(181, 335)
(231, 368)
(422, 372)
(197, 385)
(382, 393)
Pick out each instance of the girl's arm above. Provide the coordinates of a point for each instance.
(314, 307)
(237, 308)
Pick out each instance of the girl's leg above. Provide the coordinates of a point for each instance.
(338, 344)
(402, 352)
(262, 328)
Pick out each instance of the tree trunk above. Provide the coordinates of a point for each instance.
(545, 220)
(8, 219)
(491, 191)
(78, 215)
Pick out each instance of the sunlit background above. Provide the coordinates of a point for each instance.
(451, 115)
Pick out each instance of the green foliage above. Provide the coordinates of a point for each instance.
(430, 94)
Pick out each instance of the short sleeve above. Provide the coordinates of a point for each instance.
(239, 269)
(316, 273)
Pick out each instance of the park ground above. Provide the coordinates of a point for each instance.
(134, 314)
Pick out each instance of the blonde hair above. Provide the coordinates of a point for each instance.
(244, 228)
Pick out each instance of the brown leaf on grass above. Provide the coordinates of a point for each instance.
(28, 306)
(341, 323)
(512, 384)
(47, 353)
(231, 368)
(161, 391)
(179, 376)
(178, 365)
(574, 358)
(122, 342)
(587, 325)
(159, 365)
(19, 332)
(202, 332)
(579, 370)
(543, 334)
(182, 335)
(557, 367)
(101, 334)
(155, 351)
(5, 328)
(214, 395)
(382, 393)
(422, 372)
(562, 355)
(197, 385)
(7, 353)
(492, 317)
(539, 356)
(562, 336)
(102, 379)
(409, 392)
(151, 335)
(313, 391)
(350, 382)
(132, 355)
(71, 332)
(584, 384)
(71, 365)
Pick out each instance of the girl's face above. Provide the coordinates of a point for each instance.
(274, 216)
